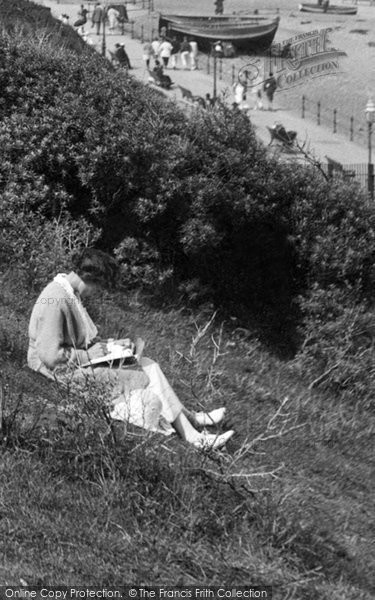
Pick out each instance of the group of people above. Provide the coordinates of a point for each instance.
(166, 52)
(100, 15)
(64, 345)
(268, 87)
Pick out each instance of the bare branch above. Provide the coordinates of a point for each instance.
(201, 332)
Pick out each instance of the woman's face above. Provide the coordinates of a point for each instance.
(89, 289)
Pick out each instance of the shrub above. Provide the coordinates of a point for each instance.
(197, 199)
(337, 350)
(35, 20)
(334, 231)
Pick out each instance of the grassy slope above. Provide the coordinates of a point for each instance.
(153, 512)
(77, 509)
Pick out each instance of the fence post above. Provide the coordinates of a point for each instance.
(351, 128)
(221, 69)
(233, 74)
(132, 29)
(370, 181)
(142, 33)
(335, 120)
(318, 112)
(330, 169)
(208, 64)
(303, 106)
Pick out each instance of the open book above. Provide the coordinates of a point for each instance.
(116, 352)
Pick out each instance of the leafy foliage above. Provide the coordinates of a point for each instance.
(196, 200)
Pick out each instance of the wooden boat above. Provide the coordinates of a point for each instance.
(337, 9)
(215, 20)
(243, 32)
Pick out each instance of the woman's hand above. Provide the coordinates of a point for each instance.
(98, 350)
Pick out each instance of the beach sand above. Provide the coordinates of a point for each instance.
(347, 91)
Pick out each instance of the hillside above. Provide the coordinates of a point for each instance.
(252, 283)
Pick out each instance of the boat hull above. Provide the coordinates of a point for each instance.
(206, 21)
(246, 33)
(333, 9)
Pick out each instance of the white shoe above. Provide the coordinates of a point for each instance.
(211, 418)
(209, 441)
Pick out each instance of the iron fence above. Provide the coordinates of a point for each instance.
(336, 119)
(358, 172)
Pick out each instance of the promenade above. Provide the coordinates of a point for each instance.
(320, 141)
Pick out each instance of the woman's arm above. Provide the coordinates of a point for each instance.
(50, 344)
(50, 337)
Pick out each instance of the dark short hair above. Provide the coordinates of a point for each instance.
(96, 266)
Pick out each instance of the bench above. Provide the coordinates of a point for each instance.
(288, 139)
(164, 81)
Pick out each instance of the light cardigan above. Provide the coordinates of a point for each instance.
(57, 331)
(91, 330)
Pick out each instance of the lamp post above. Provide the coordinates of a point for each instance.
(370, 117)
(217, 52)
(103, 31)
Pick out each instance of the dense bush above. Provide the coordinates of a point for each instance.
(29, 17)
(195, 200)
(200, 195)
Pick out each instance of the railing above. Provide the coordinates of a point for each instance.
(359, 172)
(332, 118)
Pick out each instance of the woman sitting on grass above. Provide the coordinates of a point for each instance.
(63, 341)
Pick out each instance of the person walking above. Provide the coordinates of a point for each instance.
(239, 90)
(258, 100)
(219, 7)
(97, 17)
(82, 17)
(165, 51)
(175, 51)
(155, 47)
(147, 54)
(83, 11)
(113, 16)
(269, 88)
(209, 102)
(193, 55)
(185, 52)
(64, 346)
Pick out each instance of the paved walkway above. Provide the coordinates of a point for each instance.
(318, 139)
